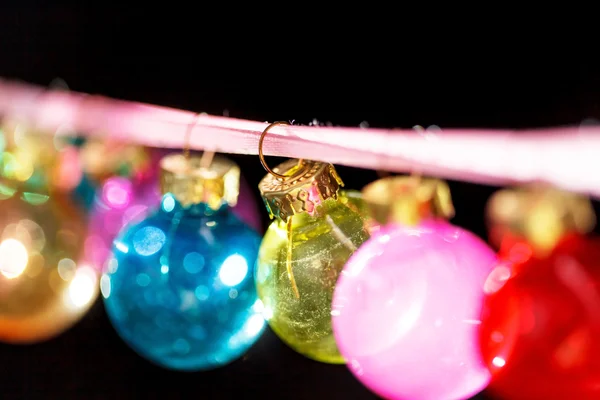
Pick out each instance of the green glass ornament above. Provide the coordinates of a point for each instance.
(316, 229)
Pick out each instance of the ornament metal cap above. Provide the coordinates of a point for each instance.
(190, 183)
(408, 200)
(541, 214)
(305, 186)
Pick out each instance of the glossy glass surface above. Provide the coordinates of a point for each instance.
(320, 245)
(44, 289)
(406, 311)
(179, 288)
(540, 332)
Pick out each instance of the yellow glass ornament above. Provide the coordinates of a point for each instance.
(43, 290)
(303, 251)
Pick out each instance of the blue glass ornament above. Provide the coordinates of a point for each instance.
(179, 288)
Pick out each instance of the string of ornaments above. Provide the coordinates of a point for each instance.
(379, 280)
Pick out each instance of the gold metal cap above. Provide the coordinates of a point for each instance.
(190, 183)
(408, 200)
(307, 185)
(541, 214)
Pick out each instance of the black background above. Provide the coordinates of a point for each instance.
(266, 68)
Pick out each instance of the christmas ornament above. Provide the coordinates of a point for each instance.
(43, 288)
(540, 324)
(42, 161)
(406, 306)
(179, 288)
(303, 251)
(102, 160)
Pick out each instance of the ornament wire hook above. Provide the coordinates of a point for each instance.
(188, 135)
(261, 156)
(207, 156)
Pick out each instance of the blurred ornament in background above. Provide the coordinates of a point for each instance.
(179, 288)
(105, 159)
(317, 228)
(44, 290)
(407, 304)
(41, 160)
(353, 199)
(540, 331)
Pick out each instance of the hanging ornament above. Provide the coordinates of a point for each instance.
(179, 288)
(104, 159)
(303, 251)
(540, 323)
(43, 288)
(41, 160)
(406, 306)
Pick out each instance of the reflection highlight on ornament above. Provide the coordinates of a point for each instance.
(233, 270)
(13, 258)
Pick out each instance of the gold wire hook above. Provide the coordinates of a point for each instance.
(207, 156)
(188, 135)
(261, 156)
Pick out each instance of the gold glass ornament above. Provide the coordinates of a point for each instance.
(316, 229)
(43, 289)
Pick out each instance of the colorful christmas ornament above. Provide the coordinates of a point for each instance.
(540, 331)
(102, 160)
(41, 160)
(406, 306)
(179, 288)
(304, 249)
(44, 289)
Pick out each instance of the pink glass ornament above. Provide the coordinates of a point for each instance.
(406, 311)
(121, 200)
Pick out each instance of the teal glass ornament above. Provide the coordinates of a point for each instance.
(179, 287)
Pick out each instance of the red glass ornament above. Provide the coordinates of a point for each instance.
(540, 330)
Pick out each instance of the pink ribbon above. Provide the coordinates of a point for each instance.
(564, 157)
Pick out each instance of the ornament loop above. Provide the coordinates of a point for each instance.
(207, 156)
(261, 156)
(188, 135)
